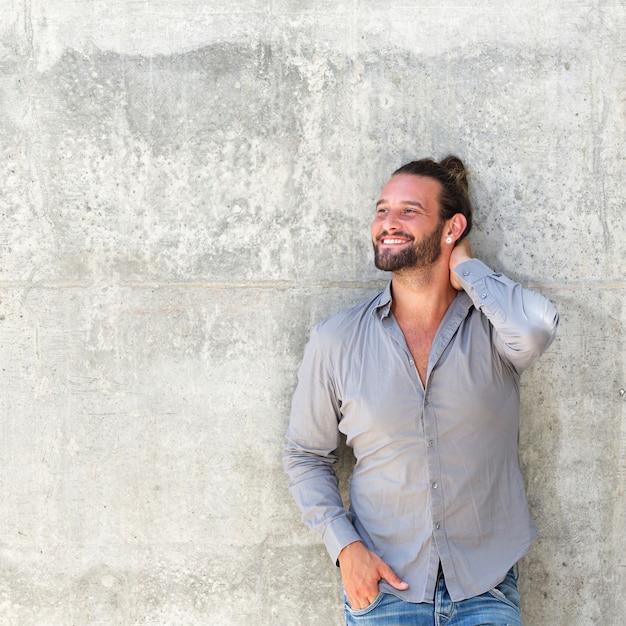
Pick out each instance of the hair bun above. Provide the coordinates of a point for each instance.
(456, 169)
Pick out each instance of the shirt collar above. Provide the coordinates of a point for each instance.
(460, 305)
(382, 307)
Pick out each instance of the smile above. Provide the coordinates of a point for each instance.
(389, 241)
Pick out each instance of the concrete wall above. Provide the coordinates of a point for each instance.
(186, 187)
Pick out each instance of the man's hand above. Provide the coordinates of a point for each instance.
(460, 253)
(361, 569)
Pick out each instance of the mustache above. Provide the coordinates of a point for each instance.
(386, 233)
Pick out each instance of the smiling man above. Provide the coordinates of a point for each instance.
(423, 381)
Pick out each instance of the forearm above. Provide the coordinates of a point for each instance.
(524, 321)
(314, 487)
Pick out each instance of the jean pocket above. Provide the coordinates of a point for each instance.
(367, 609)
(507, 591)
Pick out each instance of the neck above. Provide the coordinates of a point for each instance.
(422, 293)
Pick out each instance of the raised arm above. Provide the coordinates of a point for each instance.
(524, 321)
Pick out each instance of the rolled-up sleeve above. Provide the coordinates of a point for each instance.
(524, 321)
(312, 439)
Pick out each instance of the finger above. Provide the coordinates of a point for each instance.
(360, 598)
(357, 605)
(393, 579)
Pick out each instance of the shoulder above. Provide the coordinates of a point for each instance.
(334, 342)
(350, 320)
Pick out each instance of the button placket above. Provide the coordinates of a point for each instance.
(430, 439)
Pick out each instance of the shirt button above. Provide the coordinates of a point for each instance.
(483, 295)
(437, 526)
(435, 485)
(466, 273)
(430, 443)
(411, 362)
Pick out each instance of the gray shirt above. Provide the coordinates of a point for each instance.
(437, 477)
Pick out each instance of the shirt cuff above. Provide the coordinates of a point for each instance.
(470, 272)
(472, 275)
(338, 534)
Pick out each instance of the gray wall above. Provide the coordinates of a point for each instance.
(186, 187)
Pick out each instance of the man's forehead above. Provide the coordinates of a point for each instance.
(410, 189)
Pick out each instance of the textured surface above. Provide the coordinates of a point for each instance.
(186, 188)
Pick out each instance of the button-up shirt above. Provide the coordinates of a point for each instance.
(436, 478)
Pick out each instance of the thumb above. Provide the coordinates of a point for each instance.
(390, 576)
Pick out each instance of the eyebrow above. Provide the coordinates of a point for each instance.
(405, 202)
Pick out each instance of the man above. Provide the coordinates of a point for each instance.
(423, 380)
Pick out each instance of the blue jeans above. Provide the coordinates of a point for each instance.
(498, 607)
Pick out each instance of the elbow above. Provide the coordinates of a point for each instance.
(301, 463)
(534, 339)
(546, 330)
(540, 335)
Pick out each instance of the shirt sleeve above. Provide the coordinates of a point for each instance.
(312, 439)
(524, 321)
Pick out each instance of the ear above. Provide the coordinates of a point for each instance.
(456, 226)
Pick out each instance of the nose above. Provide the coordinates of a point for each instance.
(390, 222)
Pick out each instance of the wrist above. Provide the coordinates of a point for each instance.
(458, 260)
(349, 549)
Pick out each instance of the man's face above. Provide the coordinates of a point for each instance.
(407, 230)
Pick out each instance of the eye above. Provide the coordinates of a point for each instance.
(381, 210)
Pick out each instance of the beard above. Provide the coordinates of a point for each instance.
(421, 254)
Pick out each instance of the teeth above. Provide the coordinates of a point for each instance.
(393, 240)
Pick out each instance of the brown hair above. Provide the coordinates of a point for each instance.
(454, 195)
